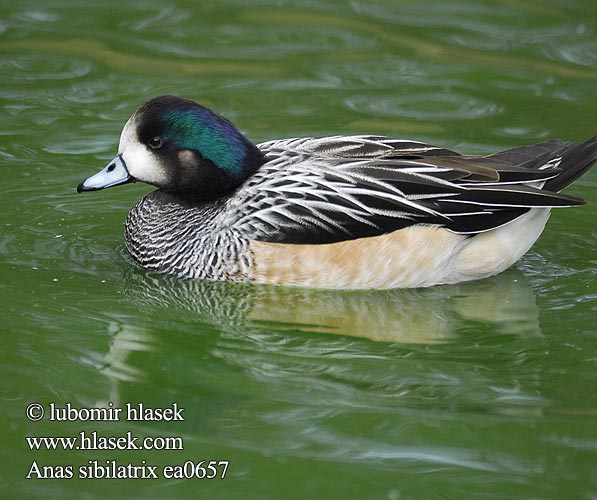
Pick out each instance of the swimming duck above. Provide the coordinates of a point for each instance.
(342, 212)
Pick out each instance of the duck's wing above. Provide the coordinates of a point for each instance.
(332, 189)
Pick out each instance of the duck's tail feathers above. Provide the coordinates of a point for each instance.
(572, 160)
(576, 159)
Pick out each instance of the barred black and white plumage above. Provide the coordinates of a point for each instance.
(334, 212)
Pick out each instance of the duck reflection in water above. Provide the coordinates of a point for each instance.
(429, 315)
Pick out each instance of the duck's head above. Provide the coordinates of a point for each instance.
(180, 147)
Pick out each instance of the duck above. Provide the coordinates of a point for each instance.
(345, 212)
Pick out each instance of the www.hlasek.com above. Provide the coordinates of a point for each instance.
(112, 469)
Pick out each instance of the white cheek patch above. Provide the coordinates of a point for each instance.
(140, 162)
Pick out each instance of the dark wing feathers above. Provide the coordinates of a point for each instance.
(337, 188)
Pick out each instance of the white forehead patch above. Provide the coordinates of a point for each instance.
(142, 163)
(127, 136)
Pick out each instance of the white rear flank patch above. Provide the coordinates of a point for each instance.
(495, 251)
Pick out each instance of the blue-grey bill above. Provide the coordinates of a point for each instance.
(114, 174)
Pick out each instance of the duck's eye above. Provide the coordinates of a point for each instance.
(156, 142)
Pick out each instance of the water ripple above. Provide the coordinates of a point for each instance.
(38, 16)
(425, 105)
(378, 72)
(580, 52)
(163, 17)
(32, 68)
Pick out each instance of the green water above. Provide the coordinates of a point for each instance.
(481, 390)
